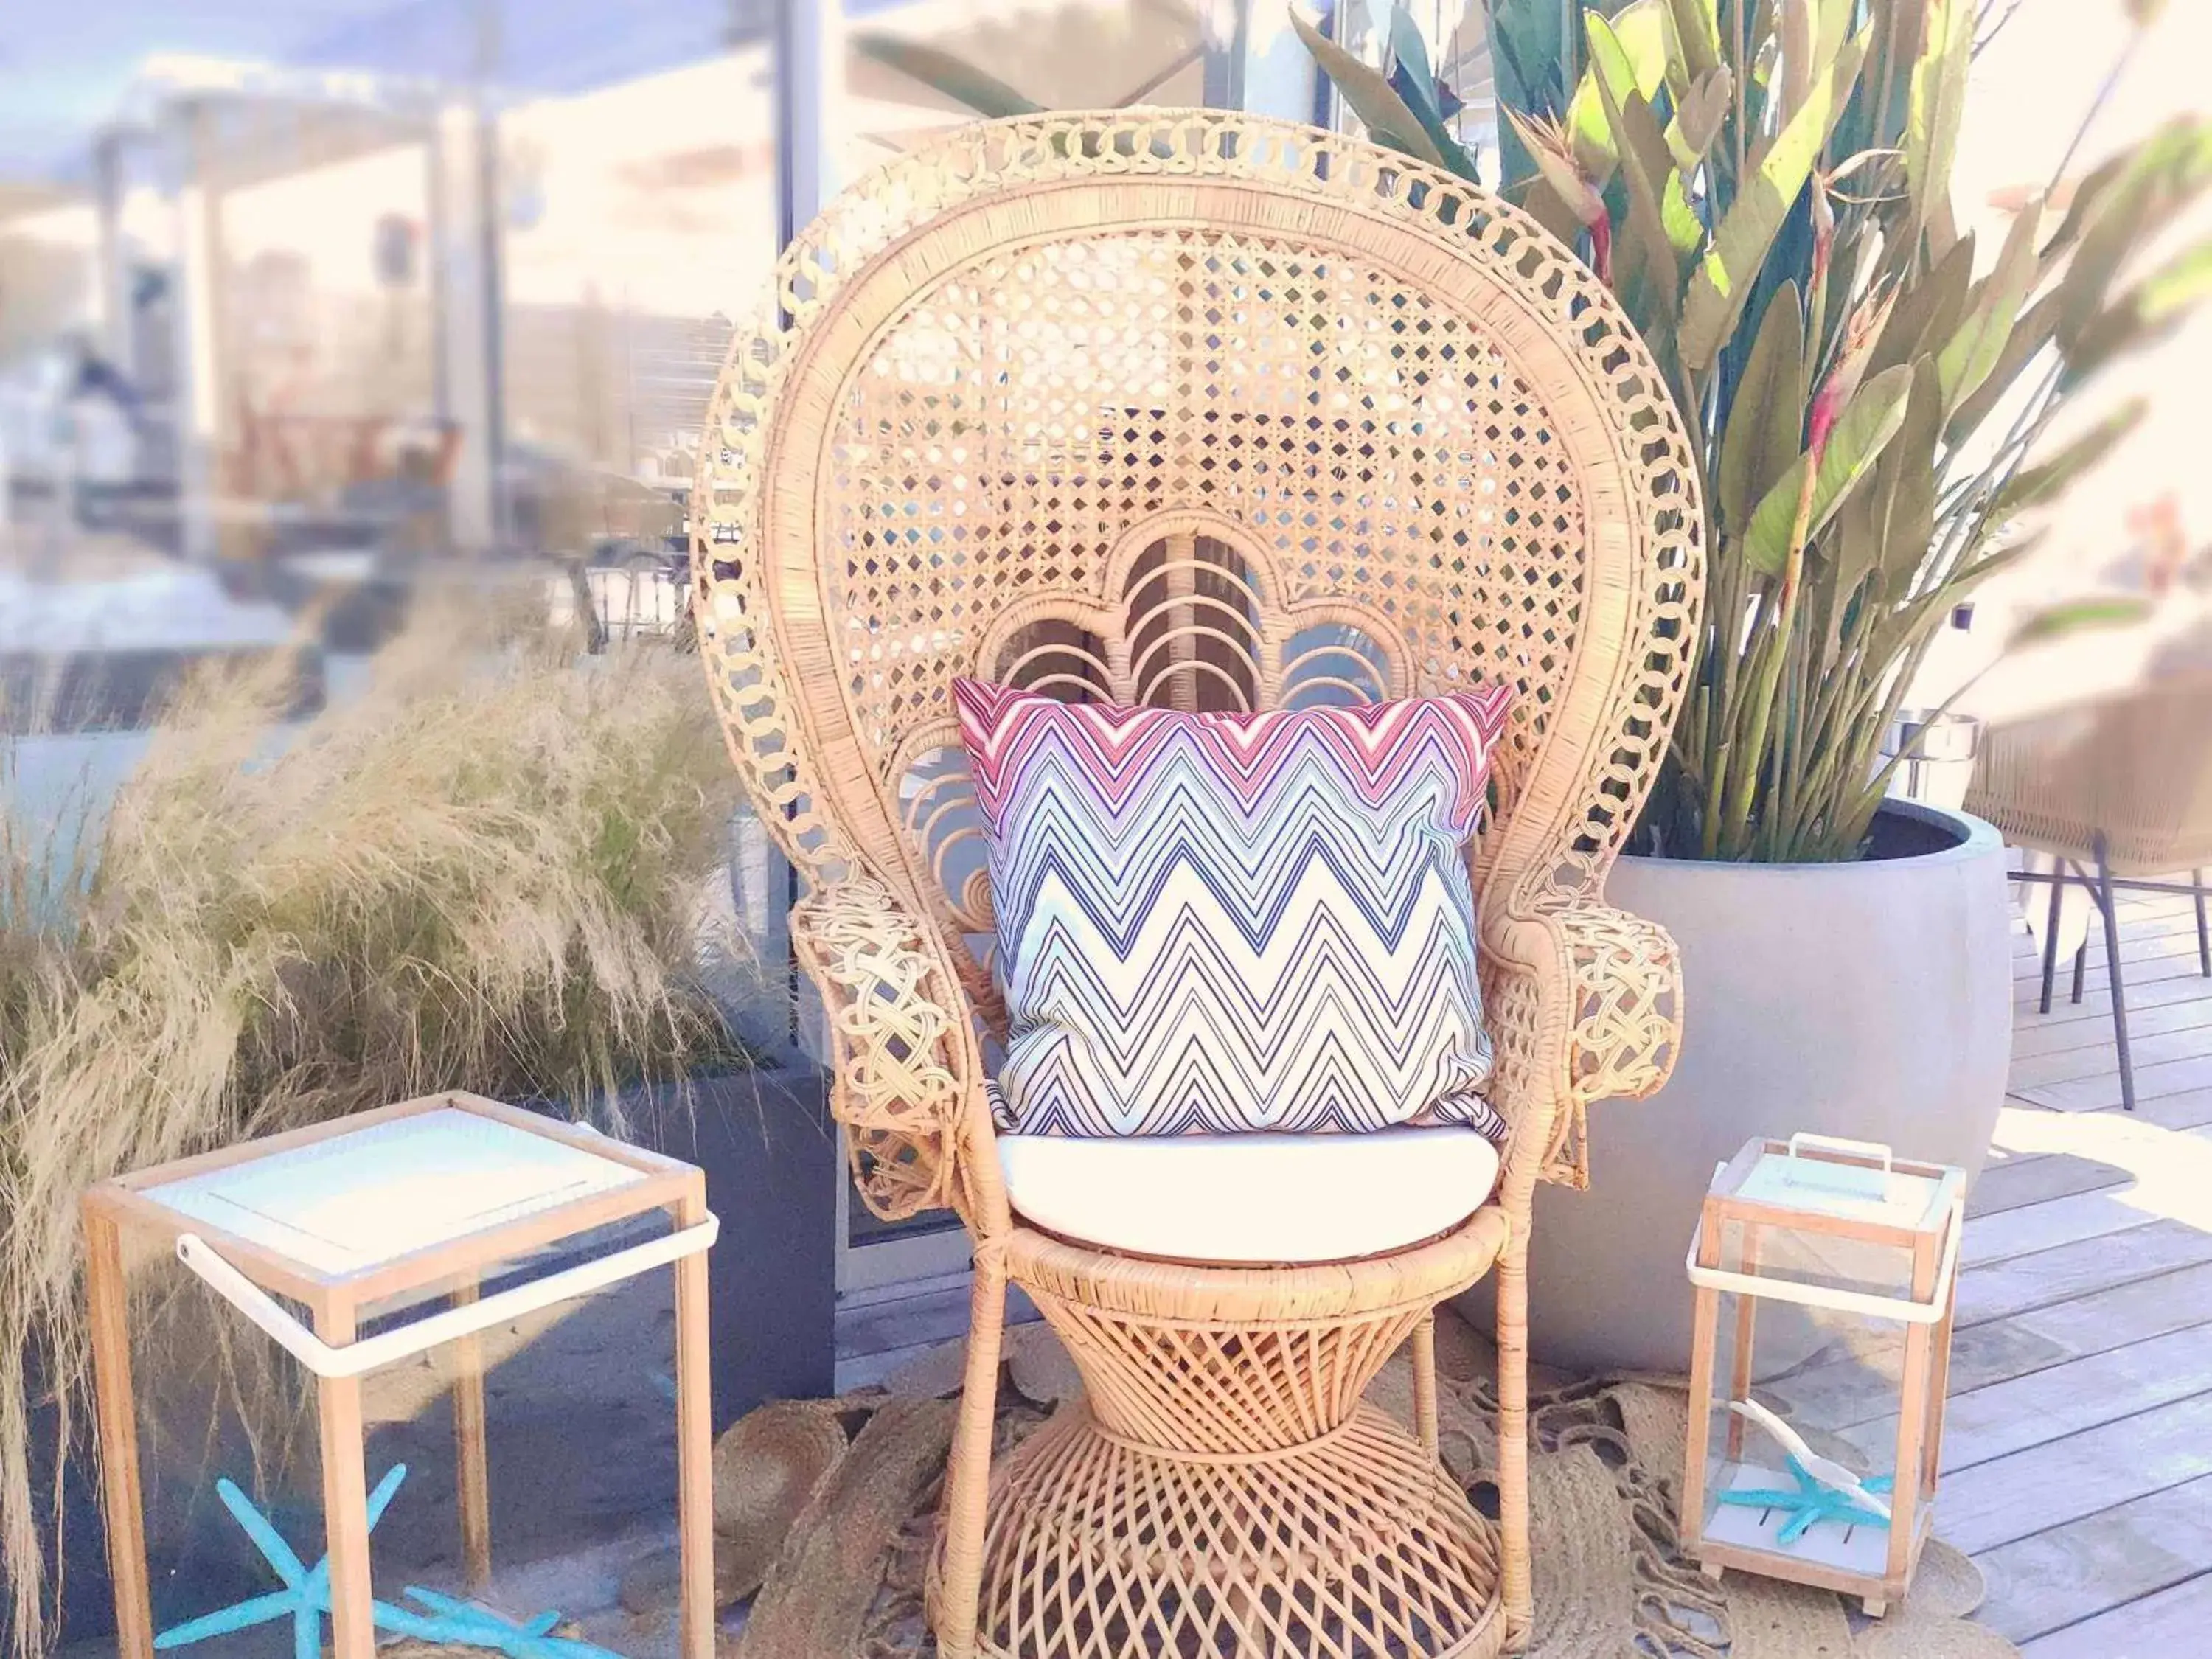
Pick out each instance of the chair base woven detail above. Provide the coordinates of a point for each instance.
(1354, 1545)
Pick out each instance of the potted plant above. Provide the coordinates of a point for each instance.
(1766, 188)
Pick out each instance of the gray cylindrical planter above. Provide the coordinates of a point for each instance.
(1871, 1001)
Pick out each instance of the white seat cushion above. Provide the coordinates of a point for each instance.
(1251, 1197)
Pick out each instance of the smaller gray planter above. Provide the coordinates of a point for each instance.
(1871, 1001)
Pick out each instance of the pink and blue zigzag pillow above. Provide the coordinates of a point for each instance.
(1213, 923)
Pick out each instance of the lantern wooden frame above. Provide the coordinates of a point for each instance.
(1928, 1238)
(245, 1271)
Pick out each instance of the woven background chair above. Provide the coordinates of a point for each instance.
(2119, 793)
(1200, 410)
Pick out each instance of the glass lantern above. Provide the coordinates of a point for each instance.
(434, 1371)
(1826, 1266)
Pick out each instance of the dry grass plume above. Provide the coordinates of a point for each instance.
(483, 874)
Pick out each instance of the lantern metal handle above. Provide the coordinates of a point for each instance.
(356, 1358)
(1805, 1138)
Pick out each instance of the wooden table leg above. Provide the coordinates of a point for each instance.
(345, 1501)
(695, 1443)
(472, 1474)
(107, 1296)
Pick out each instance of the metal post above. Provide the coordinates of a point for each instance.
(2111, 910)
(202, 403)
(2203, 924)
(117, 318)
(465, 275)
(2050, 932)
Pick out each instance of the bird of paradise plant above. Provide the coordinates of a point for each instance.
(1766, 186)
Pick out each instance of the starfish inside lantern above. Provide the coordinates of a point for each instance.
(1823, 1490)
(305, 1599)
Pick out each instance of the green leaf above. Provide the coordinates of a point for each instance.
(1657, 254)
(1765, 428)
(1976, 349)
(941, 71)
(1418, 92)
(1905, 487)
(1698, 116)
(2164, 174)
(1630, 54)
(1939, 99)
(2146, 315)
(1722, 280)
(2029, 337)
(1527, 45)
(2033, 486)
(1929, 311)
(2057, 621)
(1372, 98)
(1870, 421)
(1698, 31)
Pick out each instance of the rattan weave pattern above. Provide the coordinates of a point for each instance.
(1205, 410)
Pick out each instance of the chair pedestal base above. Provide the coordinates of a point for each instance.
(1353, 1544)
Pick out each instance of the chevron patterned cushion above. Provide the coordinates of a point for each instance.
(1210, 923)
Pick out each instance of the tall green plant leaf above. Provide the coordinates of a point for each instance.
(941, 71)
(2146, 313)
(1415, 83)
(1929, 311)
(1372, 98)
(1867, 426)
(1697, 32)
(1764, 430)
(1721, 282)
(2030, 336)
(2166, 172)
(1977, 347)
(1527, 45)
(1905, 488)
(1939, 101)
(2033, 486)
(2057, 622)
(1629, 52)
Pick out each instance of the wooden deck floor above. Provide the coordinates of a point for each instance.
(2078, 1452)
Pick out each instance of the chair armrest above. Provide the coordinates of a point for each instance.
(1583, 1003)
(906, 1083)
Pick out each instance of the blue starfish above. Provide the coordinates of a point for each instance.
(306, 1597)
(1811, 1502)
(478, 1626)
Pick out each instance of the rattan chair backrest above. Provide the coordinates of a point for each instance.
(1195, 409)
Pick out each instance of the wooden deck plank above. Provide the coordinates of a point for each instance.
(1985, 1424)
(2017, 1497)
(2151, 992)
(2056, 1579)
(2149, 1048)
(2056, 1221)
(2094, 1094)
(2026, 1282)
(2187, 1109)
(2172, 1623)
(2035, 1037)
(2016, 1182)
(1987, 1354)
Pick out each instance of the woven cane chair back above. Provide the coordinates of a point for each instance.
(2134, 769)
(1189, 409)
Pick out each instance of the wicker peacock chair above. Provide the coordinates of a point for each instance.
(1208, 411)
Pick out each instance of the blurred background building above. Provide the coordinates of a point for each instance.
(304, 294)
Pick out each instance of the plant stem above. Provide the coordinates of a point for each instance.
(2096, 107)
